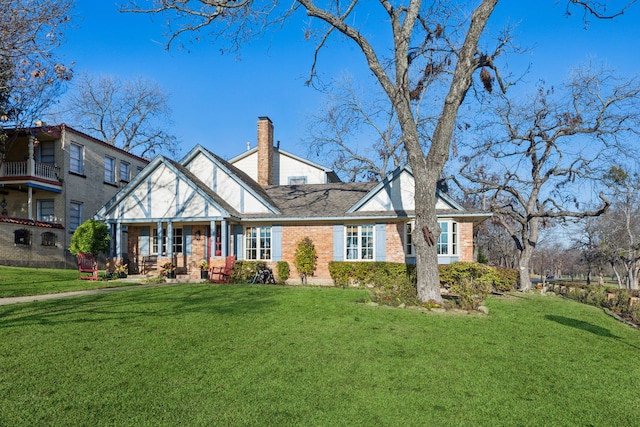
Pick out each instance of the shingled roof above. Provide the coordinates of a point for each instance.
(317, 200)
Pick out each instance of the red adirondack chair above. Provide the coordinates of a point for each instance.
(222, 274)
(86, 264)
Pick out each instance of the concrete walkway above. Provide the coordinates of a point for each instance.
(44, 297)
(132, 279)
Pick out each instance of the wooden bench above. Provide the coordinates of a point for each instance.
(87, 264)
(149, 262)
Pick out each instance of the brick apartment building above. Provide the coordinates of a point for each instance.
(260, 204)
(52, 178)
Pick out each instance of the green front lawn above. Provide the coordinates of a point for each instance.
(268, 355)
(21, 281)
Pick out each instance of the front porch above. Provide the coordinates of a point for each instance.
(194, 245)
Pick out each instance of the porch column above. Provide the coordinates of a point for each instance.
(224, 237)
(31, 163)
(30, 202)
(118, 240)
(212, 239)
(160, 239)
(170, 239)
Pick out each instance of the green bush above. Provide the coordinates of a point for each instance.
(91, 237)
(305, 259)
(244, 271)
(283, 271)
(470, 281)
(395, 283)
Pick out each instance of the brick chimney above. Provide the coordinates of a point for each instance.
(265, 151)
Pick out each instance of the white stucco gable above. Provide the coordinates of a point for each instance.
(396, 194)
(288, 168)
(225, 180)
(162, 191)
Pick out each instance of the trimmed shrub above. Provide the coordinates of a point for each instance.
(395, 283)
(91, 237)
(283, 271)
(305, 259)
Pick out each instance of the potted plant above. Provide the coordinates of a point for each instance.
(168, 270)
(204, 269)
(122, 270)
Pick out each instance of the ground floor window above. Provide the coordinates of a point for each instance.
(447, 243)
(359, 242)
(178, 241)
(258, 243)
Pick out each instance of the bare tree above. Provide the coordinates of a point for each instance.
(587, 241)
(133, 115)
(428, 38)
(30, 75)
(358, 134)
(619, 229)
(543, 152)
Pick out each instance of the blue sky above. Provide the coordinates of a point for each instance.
(216, 99)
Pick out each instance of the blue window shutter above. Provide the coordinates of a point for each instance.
(276, 243)
(338, 242)
(186, 233)
(144, 241)
(381, 242)
(237, 231)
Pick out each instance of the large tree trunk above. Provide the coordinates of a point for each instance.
(523, 267)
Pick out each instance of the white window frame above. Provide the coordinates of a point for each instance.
(449, 230)
(78, 218)
(258, 243)
(46, 153)
(297, 180)
(46, 217)
(76, 165)
(125, 171)
(109, 172)
(359, 242)
(178, 241)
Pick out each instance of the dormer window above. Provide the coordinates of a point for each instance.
(297, 180)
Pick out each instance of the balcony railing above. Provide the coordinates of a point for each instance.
(20, 169)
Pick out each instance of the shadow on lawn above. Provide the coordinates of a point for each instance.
(586, 326)
(131, 304)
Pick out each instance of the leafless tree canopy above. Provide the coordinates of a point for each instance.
(424, 42)
(356, 134)
(537, 160)
(30, 31)
(133, 115)
(614, 238)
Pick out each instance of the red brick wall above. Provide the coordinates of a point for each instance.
(265, 151)
(395, 242)
(322, 238)
(465, 231)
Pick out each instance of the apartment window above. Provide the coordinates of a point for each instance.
(109, 170)
(44, 210)
(45, 153)
(125, 171)
(258, 243)
(447, 243)
(48, 238)
(77, 158)
(359, 242)
(178, 241)
(75, 215)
